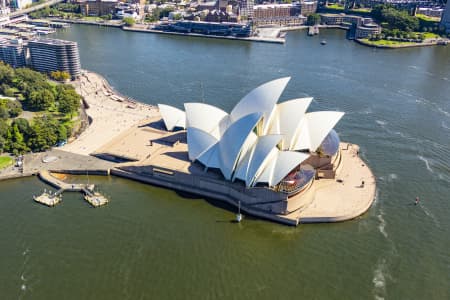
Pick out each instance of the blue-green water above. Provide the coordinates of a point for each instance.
(151, 243)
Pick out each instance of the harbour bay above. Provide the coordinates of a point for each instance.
(153, 243)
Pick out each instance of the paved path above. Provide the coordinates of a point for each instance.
(109, 117)
(339, 201)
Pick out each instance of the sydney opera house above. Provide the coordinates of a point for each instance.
(261, 143)
(278, 160)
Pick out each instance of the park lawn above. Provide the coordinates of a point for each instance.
(429, 35)
(387, 43)
(5, 161)
(362, 9)
(341, 7)
(335, 6)
(427, 18)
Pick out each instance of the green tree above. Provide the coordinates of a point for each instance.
(313, 19)
(62, 133)
(129, 21)
(17, 144)
(14, 108)
(4, 127)
(399, 19)
(68, 101)
(6, 73)
(43, 133)
(3, 112)
(60, 75)
(41, 100)
(2, 144)
(23, 126)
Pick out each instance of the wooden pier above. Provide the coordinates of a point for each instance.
(47, 198)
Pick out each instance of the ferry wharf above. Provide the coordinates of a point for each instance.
(49, 199)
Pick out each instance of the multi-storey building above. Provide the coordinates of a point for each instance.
(97, 7)
(49, 55)
(13, 53)
(343, 19)
(445, 20)
(366, 30)
(246, 8)
(279, 14)
(435, 12)
(308, 7)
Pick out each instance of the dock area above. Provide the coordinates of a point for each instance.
(313, 30)
(47, 198)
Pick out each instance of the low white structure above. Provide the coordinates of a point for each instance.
(260, 141)
(173, 117)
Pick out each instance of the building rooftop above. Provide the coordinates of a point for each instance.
(53, 41)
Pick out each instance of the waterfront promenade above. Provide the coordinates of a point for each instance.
(109, 112)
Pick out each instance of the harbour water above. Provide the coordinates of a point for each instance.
(152, 243)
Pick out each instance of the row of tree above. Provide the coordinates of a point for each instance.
(36, 92)
(20, 136)
(394, 18)
(56, 104)
(57, 10)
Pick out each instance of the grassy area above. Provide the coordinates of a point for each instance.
(427, 18)
(387, 43)
(341, 7)
(5, 161)
(335, 6)
(429, 35)
(362, 9)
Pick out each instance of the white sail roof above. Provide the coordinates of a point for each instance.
(199, 141)
(256, 141)
(261, 155)
(172, 116)
(314, 127)
(254, 159)
(261, 99)
(206, 117)
(284, 163)
(232, 141)
(211, 157)
(287, 119)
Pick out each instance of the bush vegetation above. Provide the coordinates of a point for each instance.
(53, 105)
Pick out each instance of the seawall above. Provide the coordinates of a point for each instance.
(204, 193)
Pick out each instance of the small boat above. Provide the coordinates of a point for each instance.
(239, 215)
(323, 42)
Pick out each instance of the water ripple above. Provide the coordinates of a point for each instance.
(427, 163)
(382, 225)
(379, 279)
